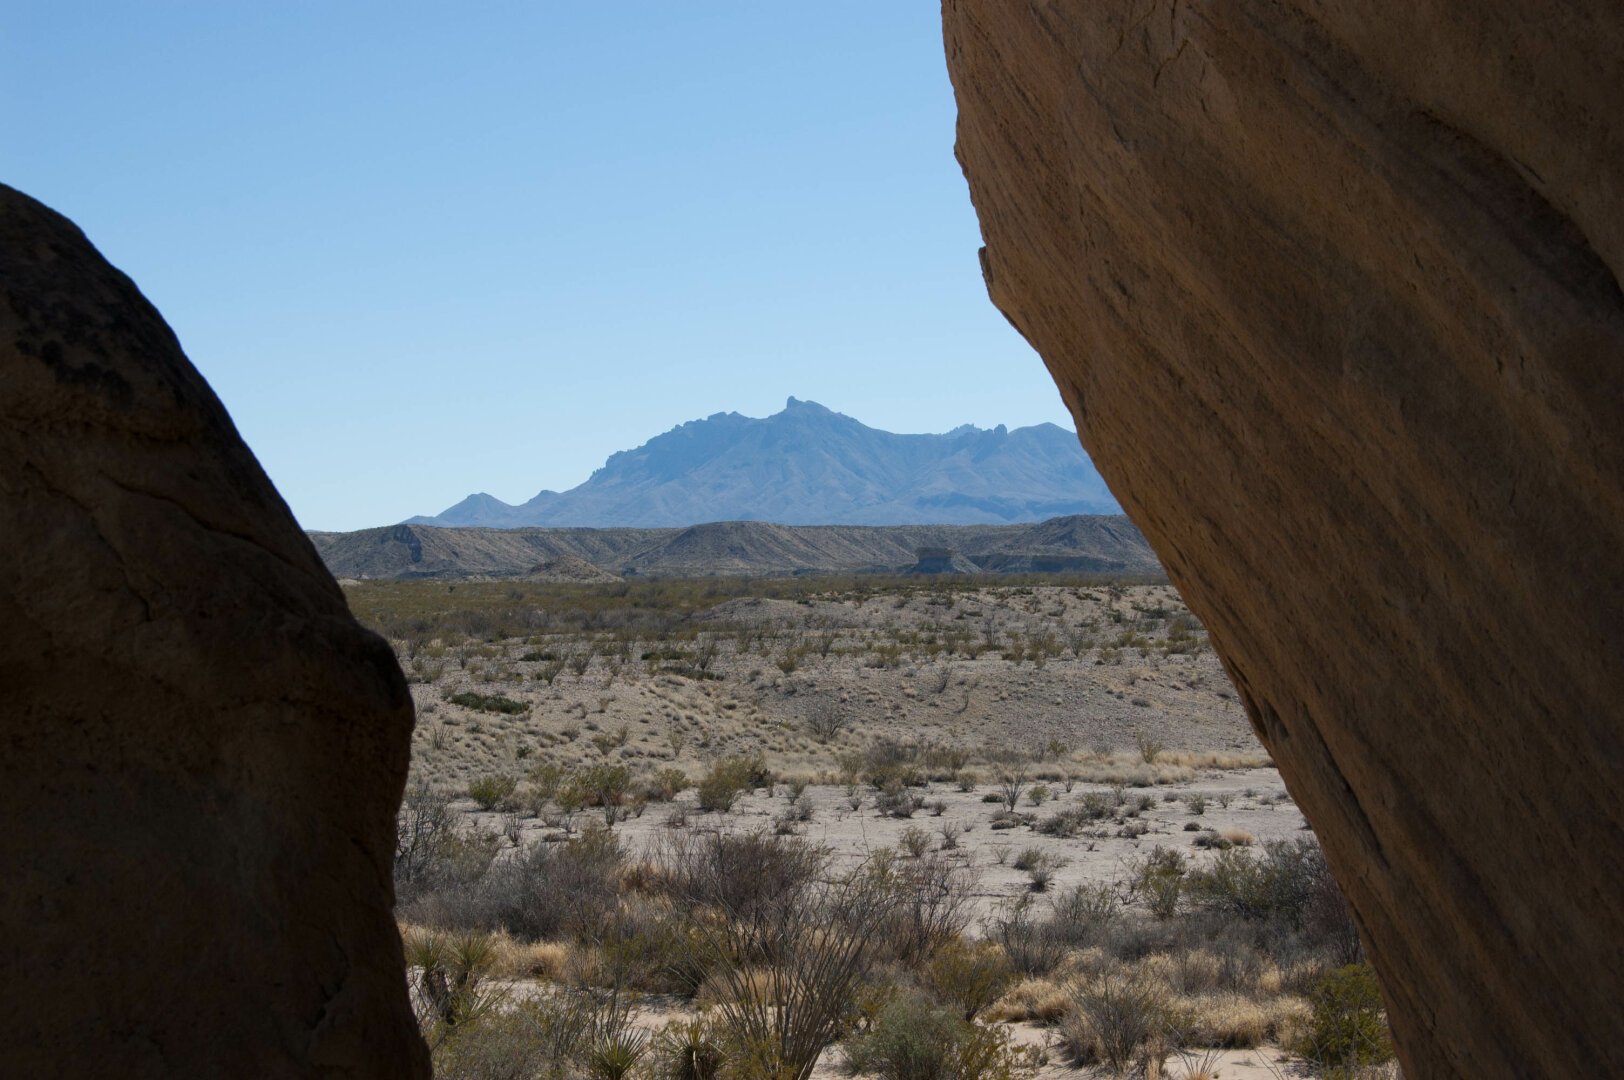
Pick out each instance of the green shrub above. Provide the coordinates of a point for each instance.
(490, 791)
(913, 1039)
(1159, 880)
(605, 785)
(969, 976)
(495, 703)
(670, 782)
(1278, 884)
(1348, 1028)
(726, 780)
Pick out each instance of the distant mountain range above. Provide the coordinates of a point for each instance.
(808, 465)
(1085, 545)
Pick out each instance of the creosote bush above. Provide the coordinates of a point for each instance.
(1347, 1028)
(489, 792)
(729, 778)
(913, 1038)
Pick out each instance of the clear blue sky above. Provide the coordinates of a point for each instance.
(422, 250)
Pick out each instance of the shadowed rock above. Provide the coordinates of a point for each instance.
(1332, 292)
(203, 751)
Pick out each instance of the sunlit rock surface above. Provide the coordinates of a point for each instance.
(1332, 291)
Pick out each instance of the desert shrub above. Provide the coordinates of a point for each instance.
(1011, 782)
(1084, 912)
(648, 945)
(824, 719)
(1065, 824)
(787, 966)
(915, 841)
(738, 874)
(504, 1047)
(725, 781)
(430, 851)
(969, 975)
(895, 800)
(450, 865)
(493, 703)
(488, 792)
(545, 890)
(1029, 857)
(928, 904)
(1327, 921)
(1039, 794)
(546, 778)
(1159, 880)
(550, 1036)
(891, 763)
(913, 1039)
(721, 785)
(1033, 947)
(1276, 884)
(670, 782)
(1124, 1013)
(1149, 749)
(1347, 1027)
(605, 786)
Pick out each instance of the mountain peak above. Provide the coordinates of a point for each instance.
(809, 465)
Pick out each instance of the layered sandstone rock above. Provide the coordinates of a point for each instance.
(203, 751)
(1332, 291)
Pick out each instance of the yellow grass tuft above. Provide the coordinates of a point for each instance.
(1234, 1021)
(1033, 1001)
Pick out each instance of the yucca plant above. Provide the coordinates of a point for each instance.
(689, 1050)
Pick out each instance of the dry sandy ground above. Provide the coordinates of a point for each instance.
(897, 667)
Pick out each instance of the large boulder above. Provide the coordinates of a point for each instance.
(1332, 290)
(203, 751)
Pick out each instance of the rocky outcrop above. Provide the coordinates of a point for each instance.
(203, 751)
(1332, 290)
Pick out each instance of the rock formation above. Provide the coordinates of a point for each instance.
(1332, 290)
(203, 751)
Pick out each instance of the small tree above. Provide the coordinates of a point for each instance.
(607, 784)
(824, 719)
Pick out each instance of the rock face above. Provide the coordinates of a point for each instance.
(1332, 292)
(203, 751)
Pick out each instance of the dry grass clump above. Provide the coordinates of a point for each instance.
(1210, 759)
(1030, 1001)
(545, 961)
(1123, 770)
(1235, 1021)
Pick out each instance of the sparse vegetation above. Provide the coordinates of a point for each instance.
(795, 860)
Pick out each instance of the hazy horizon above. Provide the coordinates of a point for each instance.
(418, 253)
